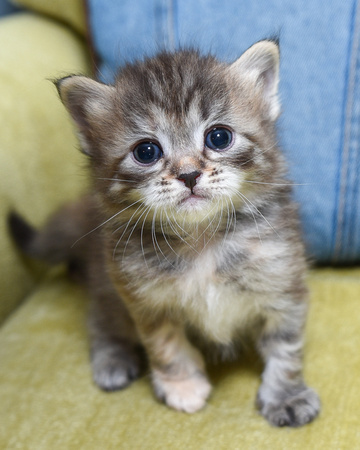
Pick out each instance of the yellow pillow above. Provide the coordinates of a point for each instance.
(72, 12)
(40, 167)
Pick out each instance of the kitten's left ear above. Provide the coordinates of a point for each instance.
(89, 103)
(260, 65)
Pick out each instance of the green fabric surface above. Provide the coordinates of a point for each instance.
(48, 400)
(37, 143)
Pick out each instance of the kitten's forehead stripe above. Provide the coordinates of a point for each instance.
(173, 83)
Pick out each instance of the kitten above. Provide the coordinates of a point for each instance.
(189, 233)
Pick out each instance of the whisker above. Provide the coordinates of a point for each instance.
(178, 234)
(228, 221)
(262, 215)
(181, 228)
(211, 222)
(128, 222)
(133, 229)
(234, 213)
(219, 222)
(253, 216)
(231, 217)
(211, 210)
(279, 184)
(117, 179)
(104, 223)
(156, 241)
(153, 235)
(142, 235)
(164, 235)
(127, 226)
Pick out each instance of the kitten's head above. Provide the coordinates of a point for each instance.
(181, 132)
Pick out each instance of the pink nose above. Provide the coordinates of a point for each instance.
(189, 178)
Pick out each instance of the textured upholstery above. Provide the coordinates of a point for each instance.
(48, 400)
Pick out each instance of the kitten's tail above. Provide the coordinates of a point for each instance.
(55, 243)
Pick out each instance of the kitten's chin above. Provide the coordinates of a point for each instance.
(193, 201)
(194, 207)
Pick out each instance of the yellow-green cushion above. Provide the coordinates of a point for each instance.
(40, 166)
(71, 12)
(48, 400)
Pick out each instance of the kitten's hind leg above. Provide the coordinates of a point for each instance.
(283, 397)
(117, 357)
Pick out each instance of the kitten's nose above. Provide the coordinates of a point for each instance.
(189, 178)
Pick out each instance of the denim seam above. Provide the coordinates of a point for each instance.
(170, 24)
(353, 231)
(164, 12)
(350, 247)
(175, 23)
(344, 169)
(160, 23)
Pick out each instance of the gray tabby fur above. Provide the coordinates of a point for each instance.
(167, 265)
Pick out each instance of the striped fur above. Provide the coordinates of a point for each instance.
(168, 266)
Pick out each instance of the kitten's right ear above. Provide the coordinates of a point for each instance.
(89, 104)
(259, 65)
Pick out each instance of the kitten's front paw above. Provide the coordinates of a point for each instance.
(290, 410)
(188, 395)
(116, 366)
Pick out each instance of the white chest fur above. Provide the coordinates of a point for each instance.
(200, 297)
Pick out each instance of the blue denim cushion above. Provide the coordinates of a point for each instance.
(320, 88)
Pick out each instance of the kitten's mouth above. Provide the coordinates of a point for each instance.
(192, 198)
(192, 202)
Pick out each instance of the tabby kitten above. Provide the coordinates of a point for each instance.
(189, 234)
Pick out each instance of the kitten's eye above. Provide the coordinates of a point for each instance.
(218, 138)
(147, 152)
